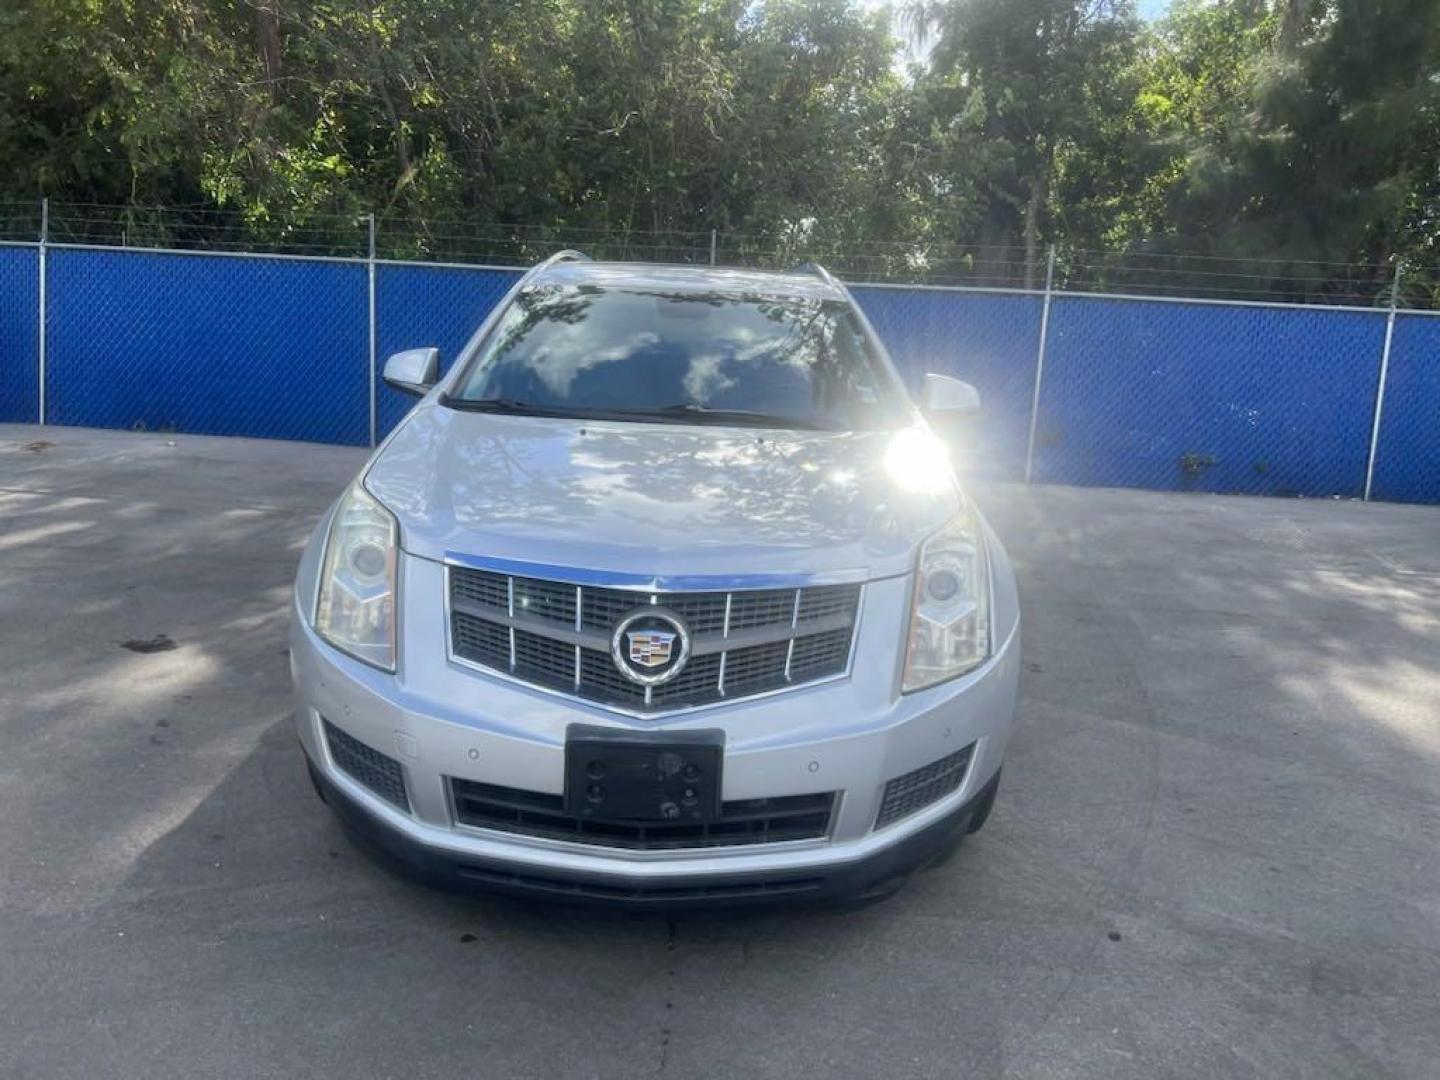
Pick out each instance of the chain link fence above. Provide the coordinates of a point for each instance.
(206, 344)
(1201, 375)
(935, 258)
(1213, 397)
(1407, 451)
(988, 339)
(19, 335)
(429, 305)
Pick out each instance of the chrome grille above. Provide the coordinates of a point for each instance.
(704, 613)
(482, 641)
(540, 655)
(488, 590)
(756, 669)
(550, 600)
(763, 609)
(556, 635)
(813, 653)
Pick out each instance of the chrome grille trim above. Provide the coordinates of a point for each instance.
(702, 644)
(724, 633)
(612, 579)
(510, 610)
(579, 621)
(745, 642)
(790, 647)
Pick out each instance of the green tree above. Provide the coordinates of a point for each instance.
(1030, 84)
(1305, 133)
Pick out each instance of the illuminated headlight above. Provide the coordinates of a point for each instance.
(355, 610)
(950, 610)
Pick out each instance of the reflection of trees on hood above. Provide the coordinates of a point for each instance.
(768, 485)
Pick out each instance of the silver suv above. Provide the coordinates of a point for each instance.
(665, 593)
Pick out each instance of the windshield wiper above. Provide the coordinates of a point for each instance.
(680, 411)
(703, 414)
(503, 405)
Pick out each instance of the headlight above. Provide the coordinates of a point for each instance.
(950, 611)
(355, 610)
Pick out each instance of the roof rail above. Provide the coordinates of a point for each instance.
(568, 255)
(818, 270)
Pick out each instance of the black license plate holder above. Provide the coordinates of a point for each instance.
(615, 775)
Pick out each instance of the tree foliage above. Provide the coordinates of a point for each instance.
(1306, 133)
(1303, 132)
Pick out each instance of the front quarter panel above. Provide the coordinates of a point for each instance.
(1005, 596)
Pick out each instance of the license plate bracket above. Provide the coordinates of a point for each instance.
(617, 775)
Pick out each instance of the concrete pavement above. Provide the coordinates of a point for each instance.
(1214, 852)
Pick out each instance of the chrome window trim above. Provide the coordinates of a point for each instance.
(645, 714)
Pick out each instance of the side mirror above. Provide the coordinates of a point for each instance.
(942, 394)
(413, 371)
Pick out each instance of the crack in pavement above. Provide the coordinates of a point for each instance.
(665, 1029)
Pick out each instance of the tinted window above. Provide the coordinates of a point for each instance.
(589, 351)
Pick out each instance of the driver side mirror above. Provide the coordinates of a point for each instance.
(942, 394)
(413, 371)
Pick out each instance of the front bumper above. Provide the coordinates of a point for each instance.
(850, 736)
(870, 876)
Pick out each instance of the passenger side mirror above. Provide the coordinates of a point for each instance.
(942, 394)
(413, 371)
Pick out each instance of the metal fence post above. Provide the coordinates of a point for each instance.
(1384, 373)
(712, 247)
(1040, 364)
(40, 338)
(370, 276)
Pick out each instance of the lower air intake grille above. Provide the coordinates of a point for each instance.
(919, 788)
(379, 773)
(742, 821)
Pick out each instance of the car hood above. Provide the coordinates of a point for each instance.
(662, 500)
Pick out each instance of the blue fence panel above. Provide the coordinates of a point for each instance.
(19, 335)
(417, 306)
(208, 344)
(1267, 401)
(986, 339)
(1274, 401)
(1407, 457)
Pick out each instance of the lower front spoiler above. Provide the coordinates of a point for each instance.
(875, 876)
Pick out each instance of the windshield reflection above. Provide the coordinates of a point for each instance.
(586, 350)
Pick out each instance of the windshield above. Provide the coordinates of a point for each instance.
(684, 357)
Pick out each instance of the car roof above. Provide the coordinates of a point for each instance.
(671, 278)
